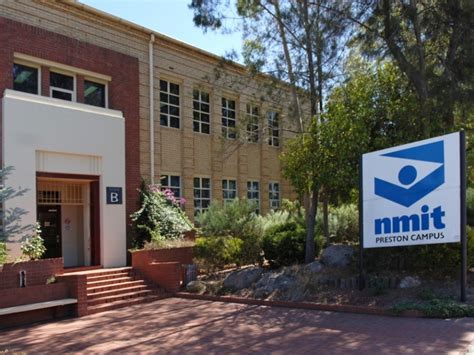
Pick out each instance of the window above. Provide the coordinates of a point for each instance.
(202, 194)
(253, 192)
(25, 78)
(169, 104)
(61, 86)
(252, 123)
(273, 129)
(228, 118)
(201, 112)
(274, 195)
(171, 182)
(94, 93)
(229, 190)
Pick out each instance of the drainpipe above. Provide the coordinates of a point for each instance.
(152, 109)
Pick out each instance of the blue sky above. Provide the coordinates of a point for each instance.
(172, 18)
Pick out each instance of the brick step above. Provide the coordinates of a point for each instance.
(100, 272)
(117, 292)
(125, 303)
(106, 286)
(107, 276)
(122, 296)
(106, 282)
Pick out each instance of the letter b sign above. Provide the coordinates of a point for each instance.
(114, 195)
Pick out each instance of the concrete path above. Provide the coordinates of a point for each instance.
(190, 326)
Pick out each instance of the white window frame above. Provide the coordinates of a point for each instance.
(251, 190)
(273, 140)
(200, 209)
(102, 82)
(169, 93)
(229, 190)
(253, 121)
(168, 183)
(74, 84)
(275, 203)
(32, 65)
(226, 130)
(200, 112)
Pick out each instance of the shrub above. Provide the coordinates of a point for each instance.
(3, 252)
(213, 253)
(33, 248)
(470, 206)
(285, 244)
(236, 218)
(344, 223)
(159, 217)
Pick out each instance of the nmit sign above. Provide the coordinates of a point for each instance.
(411, 194)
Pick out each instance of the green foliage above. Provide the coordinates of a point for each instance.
(344, 223)
(236, 218)
(159, 216)
(434, 258)
(33, 248)
(470, 206)
(213, 253)
(3, 252)
(437, 308)
(283, 244)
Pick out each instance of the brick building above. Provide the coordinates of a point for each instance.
(78, 117)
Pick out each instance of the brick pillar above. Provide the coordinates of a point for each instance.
(80, 88)
(44, 81)
(77, 285)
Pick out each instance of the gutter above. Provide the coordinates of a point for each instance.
(152, 107)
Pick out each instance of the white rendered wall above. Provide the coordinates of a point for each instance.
(71, 138)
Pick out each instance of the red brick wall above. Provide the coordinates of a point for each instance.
(77, 286)
(37, 272)
(181, 255)
(123, 89)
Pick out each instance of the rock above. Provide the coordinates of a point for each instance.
(240, 279)
(196, 287)
(273, 281)
(337, 256)
(314, 267)
(410, 282)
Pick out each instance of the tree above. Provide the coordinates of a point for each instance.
(296, 42)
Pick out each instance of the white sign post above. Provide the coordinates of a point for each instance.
(414, 194)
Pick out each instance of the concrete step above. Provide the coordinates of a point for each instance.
(119, 297)
(125, 303)
(117, 292)
(107, 285)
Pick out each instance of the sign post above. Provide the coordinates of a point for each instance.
(415, 194)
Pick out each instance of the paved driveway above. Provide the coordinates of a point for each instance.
(190, 326)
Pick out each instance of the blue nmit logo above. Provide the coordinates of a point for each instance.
(407, 196)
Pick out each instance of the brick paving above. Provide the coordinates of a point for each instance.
(193, 326)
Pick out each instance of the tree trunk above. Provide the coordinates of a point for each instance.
(311, 210)
(326, 219)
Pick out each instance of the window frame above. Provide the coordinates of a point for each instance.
(169, 93)
(226, 130)
(271, 192)
(74, 84)
(200, 209)
(31, 65)
(200, 112)
(229, 190)
(252, 190)
(97, 81)
(251, 116)
(168, 185)
(271, 137)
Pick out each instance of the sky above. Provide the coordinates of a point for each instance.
(172, 18)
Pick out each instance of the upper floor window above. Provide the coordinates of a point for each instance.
(202, 194)
(201, 112)
(61, 86)
(273, 129)
(172, 182)
(25, 78)
(253, 192)
(169, 104)
(228, 118)
(274, 195)
(94, 93)
(252, 123)
(229, 190)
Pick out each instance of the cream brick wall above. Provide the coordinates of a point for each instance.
(177, 151)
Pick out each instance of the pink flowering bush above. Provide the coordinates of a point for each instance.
(160, 216)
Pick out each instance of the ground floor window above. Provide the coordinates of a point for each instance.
(274, 195)
(172, 182)
(253, 193)
(229, 190)
(202, 194)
